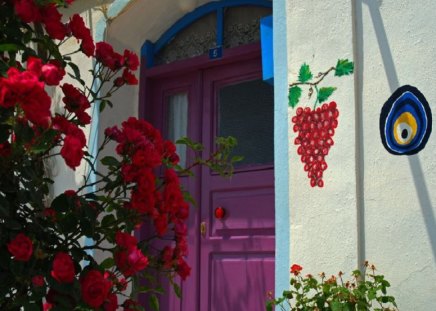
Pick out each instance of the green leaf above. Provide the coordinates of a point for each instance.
(9, 47)
(107, 263)
(110, 161)
(344, 67)
(154, 302)
(305, 73)
(177, 290)
(190, 143)
(76, 71)
(61, 203)
(294, 96)
(324, 93)
(187, 197)
(237, 158)
(31, 306)
(108, 220)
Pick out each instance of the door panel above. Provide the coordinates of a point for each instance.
(163, 93)
(233, 260)
(237, 253)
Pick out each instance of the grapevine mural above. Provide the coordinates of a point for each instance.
(315, 126)
(405, 121)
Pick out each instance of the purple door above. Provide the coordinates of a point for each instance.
(232, 258)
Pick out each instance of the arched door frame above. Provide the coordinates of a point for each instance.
(150, 49)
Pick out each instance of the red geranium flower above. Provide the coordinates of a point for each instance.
(296, 269)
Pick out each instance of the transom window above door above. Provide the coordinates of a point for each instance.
(224, 24)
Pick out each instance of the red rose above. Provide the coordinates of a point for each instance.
(72, 151)
(51, 18)
(111, 303)
(63, 268)
(95, 288)
(125, 240)
(181, 247)
(52, 72)
(88, 46)
(130, 261)
(170, 152)
(74, 99)
(34, 64)
(80, 31)
(161, 224)
(21, 247)
(167, 256)
(38, 280)
(27, 10)
(25, 89)
(131, 60)
(129, 78)
(77, 27)
(70, 193)
(105, 54)
(296, 269)
(183, 269)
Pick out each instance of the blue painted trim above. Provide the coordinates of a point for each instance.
(220, 27)
(266, 43)
(205, 9)
(147, 51)
(281, 143)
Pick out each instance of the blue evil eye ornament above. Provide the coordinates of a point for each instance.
(405, 121)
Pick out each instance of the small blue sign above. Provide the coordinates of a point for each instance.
(216, 52)
(266, 41)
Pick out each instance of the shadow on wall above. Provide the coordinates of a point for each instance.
(391, 74)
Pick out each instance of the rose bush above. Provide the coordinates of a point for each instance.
(43, 263)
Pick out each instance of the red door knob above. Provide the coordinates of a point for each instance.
(220, 212)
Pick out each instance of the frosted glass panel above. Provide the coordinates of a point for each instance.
(178, 121)
(194, 40)
(246, 112)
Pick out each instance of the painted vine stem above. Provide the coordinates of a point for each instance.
(343, 67)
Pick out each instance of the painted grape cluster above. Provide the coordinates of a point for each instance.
(315, 129)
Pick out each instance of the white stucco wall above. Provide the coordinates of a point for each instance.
(374, 205)
(323, 220)
(397, 47)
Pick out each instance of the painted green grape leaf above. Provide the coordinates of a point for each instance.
(305, 73)
(324, 93)
(294, 96)
(344, 67)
